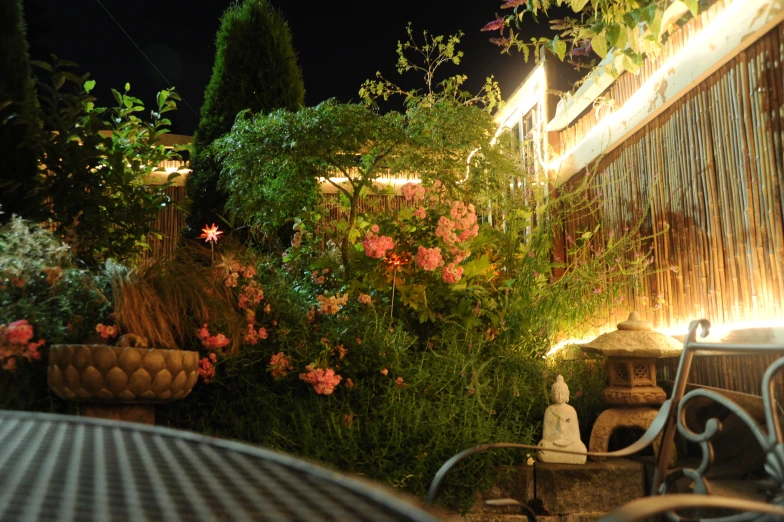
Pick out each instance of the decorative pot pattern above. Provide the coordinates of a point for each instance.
(101, 373)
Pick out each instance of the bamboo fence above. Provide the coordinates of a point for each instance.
(739, 373)
(170, 222)
(707, 178)
(627, 84)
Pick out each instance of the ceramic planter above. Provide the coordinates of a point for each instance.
(121, 382)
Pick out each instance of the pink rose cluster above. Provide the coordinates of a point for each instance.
(211, 342)
(461, 227)
(323, 381)
(279, 365)
(376, 246)
(429, 258)
(106, 332)
(16, 341)
(206, 368)
(365, 299)
(413, 192)
(452, 273)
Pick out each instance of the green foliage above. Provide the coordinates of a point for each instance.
(39, 283)
(18, 113)
(428, 57)
(629, 29)
(272, 162)
(409, 409)
(255, 69)
(99, 189)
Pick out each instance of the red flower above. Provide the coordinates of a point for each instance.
(210, 234)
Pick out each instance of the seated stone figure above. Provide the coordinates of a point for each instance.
(560, 428)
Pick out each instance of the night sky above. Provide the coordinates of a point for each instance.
(339, 43)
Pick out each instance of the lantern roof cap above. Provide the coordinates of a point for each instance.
(634, 338)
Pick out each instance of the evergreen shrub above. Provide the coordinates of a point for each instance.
(255, 68)
(18, 116)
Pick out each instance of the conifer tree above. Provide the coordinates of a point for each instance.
(18, 116)
(255, 68)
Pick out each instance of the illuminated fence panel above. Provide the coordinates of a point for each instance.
(169, 224)
(627, 84)
(708, 175)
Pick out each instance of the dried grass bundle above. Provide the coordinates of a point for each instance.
(166, 299)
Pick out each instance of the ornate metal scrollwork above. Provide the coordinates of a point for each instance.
(769, 437)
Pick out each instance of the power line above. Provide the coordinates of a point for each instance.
(168, 83)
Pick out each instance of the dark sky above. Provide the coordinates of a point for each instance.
(339, 43)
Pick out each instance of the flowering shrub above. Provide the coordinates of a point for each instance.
(16, 342)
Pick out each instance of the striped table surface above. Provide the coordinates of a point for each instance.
(66, 468)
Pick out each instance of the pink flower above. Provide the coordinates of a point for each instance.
(429, 259)
(452, 273)
(107, 332)
(377, 246)
(212, 342)
(399, 383)
(279, 365)
(413, 192)
(323, 381)
(206, 369)
(420, 213)
(19, 332)
(365, 299)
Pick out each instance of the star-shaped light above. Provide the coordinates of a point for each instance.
(210, 234)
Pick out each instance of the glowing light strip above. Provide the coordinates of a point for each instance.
(717, 332)
(388, 181)
(728, 34)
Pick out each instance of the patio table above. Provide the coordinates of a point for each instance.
(64, 468)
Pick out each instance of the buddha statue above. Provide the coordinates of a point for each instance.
(561, 430)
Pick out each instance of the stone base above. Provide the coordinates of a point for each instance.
(564, 492)
(594, 487)
(142, 413)
(614, 418)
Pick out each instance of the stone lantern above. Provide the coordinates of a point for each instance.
(632, 394)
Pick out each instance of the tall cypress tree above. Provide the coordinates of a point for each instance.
(255, 68)
(18, 116)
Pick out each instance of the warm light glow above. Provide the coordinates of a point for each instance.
(645, 100)
(388, 181)
(566, 342)
(720, 331)
(717, 332)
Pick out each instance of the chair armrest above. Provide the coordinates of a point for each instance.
(643, 508)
